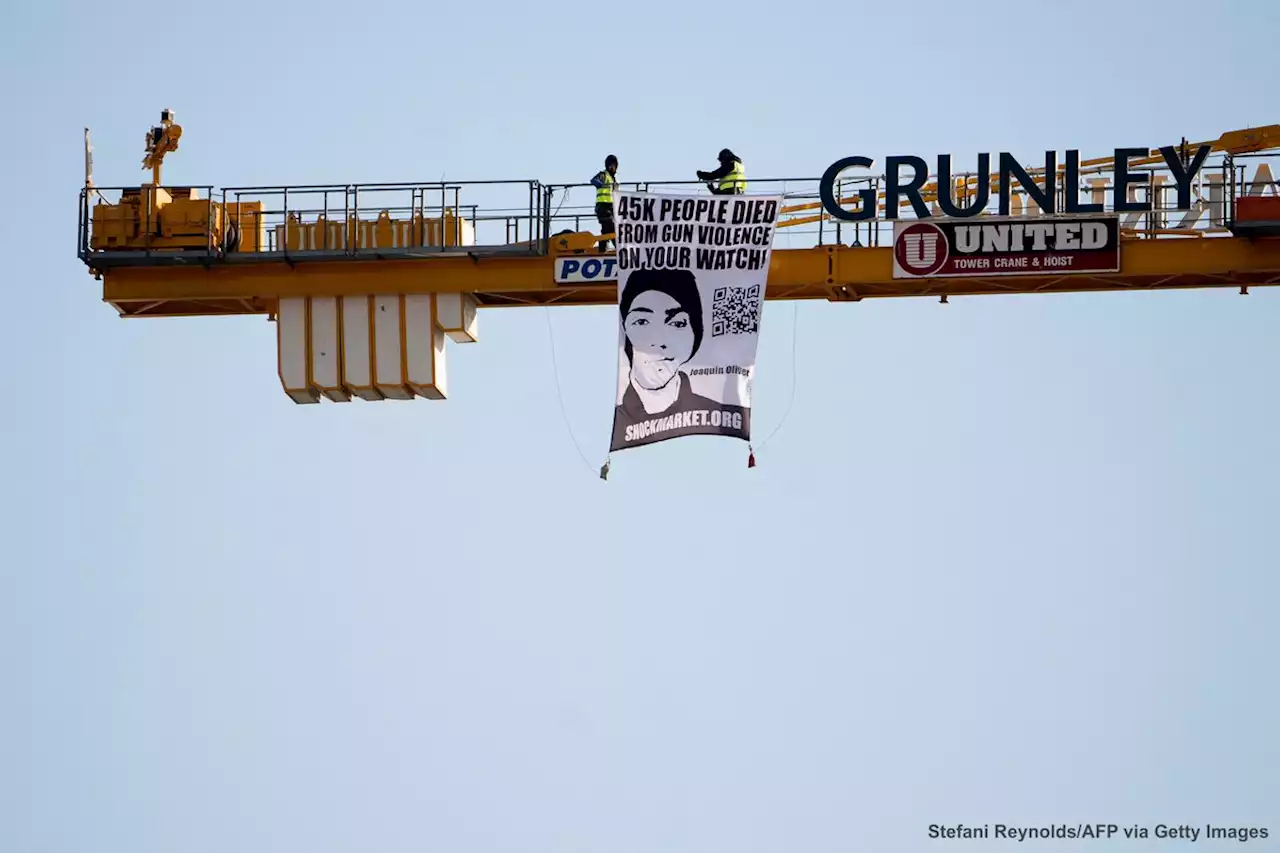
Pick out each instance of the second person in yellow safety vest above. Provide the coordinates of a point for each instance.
(605, 182)
(731, 175)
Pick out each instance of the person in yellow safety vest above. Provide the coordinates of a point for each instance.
(605, 181)
(731, 174)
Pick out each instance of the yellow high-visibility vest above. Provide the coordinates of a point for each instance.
(604, 194)
(735, 180)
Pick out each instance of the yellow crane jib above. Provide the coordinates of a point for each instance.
(367, 282)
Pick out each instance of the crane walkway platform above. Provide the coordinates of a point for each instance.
(211, 256)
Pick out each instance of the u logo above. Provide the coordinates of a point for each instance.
(922, 249)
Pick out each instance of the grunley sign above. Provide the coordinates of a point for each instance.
(1045, 197)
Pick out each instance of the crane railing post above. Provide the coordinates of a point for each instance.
(839, 194)
(544, 206)
(285, 231)
(873, 227)
(545, 238)
(82, 227)
(537, 209)
(351, 212)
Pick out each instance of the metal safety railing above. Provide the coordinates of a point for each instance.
(312, 221)
(482, 218)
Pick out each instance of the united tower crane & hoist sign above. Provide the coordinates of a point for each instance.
(951, 248)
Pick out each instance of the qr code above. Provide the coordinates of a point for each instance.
(735, 311)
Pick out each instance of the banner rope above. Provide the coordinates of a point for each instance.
(604, 469)
(555, 371)
(795, 324)
(556, 212)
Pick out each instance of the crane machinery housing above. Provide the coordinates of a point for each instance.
(366, 282)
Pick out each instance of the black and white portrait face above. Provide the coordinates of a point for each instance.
(661, 312)
(661, 336)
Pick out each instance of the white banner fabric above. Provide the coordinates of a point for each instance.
(691, 274)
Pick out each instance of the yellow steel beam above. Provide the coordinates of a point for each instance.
(837, 273)
(1145, 264)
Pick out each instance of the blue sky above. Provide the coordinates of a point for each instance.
(1006, 560)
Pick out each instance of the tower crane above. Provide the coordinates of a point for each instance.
(366, 282)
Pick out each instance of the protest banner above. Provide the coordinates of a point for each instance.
(692, 272)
